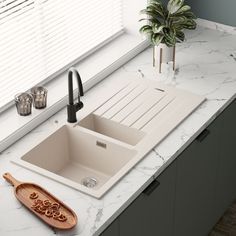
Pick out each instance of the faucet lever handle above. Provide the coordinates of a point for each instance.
(79, 105)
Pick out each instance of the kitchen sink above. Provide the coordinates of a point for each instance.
(108, 141)
(79, 159)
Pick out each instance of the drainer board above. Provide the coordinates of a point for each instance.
(150, 107)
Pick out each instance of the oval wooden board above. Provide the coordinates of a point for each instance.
(23, 192)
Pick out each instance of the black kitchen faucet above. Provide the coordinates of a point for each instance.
(72, 107)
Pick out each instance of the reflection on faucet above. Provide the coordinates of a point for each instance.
(71, 107)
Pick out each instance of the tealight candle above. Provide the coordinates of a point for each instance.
(40, 97)
(23, 103)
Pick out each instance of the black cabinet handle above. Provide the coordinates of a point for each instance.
(203, 135)
(147, 191)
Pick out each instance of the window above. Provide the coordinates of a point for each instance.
(38, 38)
(31, 30)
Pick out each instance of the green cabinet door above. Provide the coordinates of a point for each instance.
(195, 204)
(112, 229)
(151, 214)
(226, 181)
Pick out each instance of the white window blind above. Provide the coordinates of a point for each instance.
(40, 37)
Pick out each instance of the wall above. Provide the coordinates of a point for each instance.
(221, 11)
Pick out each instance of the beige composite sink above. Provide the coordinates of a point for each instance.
(92, 155)
(79, 159)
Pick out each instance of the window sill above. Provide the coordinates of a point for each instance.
(93, 69)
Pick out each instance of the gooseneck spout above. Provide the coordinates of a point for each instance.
(72, 107)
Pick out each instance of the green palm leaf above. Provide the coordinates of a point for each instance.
(152, 15)
(170, 36)
(160, 8)
(151, 21)
(146, 29)
(158, 28)
(189, 14)
(180, 36)
(183, 9)
(156, 2)
(190, 24)
(157, 38)
(174, 5)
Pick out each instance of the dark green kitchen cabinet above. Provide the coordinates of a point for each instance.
(226, 179)
(195, 200)
(152, 213)
(190, 195)
(112, 229)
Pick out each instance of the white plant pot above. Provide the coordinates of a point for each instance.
(163, 54)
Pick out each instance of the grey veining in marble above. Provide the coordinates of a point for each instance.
(206, 65)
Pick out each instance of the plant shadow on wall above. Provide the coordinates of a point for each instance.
(164, 28)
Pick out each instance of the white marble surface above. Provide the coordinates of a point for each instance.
(206, 65)
(217, 26)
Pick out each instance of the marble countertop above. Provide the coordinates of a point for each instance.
(206, 65)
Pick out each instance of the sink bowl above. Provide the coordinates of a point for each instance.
(112, 129)
(80, 159)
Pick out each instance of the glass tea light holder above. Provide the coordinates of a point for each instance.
(23, 103)
(40, 97)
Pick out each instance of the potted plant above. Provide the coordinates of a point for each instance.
(165, 26)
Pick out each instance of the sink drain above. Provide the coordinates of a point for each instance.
(89, 182)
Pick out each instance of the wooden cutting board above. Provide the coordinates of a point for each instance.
(43, 204)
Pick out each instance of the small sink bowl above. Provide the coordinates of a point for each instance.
(80, 159)
(112, 129)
